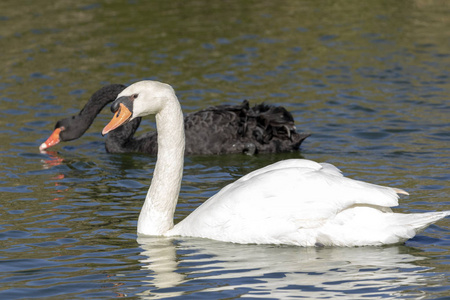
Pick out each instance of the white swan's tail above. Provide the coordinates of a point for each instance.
(363, 226)
(420, 221)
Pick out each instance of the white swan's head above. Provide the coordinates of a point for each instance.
(139, 99)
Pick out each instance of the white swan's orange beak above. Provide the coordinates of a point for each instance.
(52, 140)
(122, 115)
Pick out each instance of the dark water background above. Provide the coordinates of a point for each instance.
(369, 79)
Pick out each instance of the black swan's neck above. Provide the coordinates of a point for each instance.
(122, 140)
(96, 103)
(74, 127)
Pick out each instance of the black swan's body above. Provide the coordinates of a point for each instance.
(215, 130)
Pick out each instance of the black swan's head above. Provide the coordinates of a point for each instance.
(74, 127)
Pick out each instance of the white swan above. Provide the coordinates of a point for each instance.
(296, 202)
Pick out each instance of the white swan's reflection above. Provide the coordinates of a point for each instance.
(271, 271)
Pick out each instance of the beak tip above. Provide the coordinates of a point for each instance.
(43, 146)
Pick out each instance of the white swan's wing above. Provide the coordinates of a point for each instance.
(281, 203)
(295, 163)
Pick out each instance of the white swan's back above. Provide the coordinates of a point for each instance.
(301, 202)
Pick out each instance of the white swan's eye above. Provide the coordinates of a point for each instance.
(134, 96)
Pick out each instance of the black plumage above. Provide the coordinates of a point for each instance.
(214, 130)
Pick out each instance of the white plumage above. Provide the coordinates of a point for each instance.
(296, 202)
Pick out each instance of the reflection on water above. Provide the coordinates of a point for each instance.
(52, 160)
(279, 272)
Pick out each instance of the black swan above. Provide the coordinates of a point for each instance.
(215, 130)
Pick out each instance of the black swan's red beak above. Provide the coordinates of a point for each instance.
(52, 140)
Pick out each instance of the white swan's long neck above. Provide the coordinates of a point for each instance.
(157, 213)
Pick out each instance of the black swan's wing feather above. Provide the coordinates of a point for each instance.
(239, 128)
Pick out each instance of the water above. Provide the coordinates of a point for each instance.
(370, 80)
